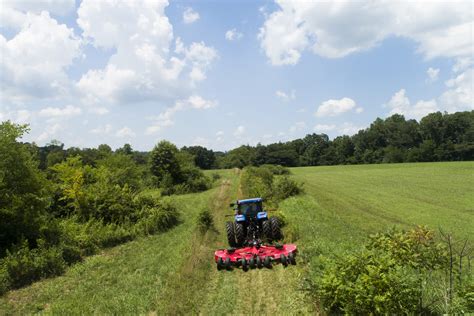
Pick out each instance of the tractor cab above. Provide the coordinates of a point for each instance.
(249, 209)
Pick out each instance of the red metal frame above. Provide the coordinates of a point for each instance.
(263, 251)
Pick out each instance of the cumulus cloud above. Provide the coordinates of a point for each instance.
(286, 96)
(433, 74)
(105, 129)
(348, 128)
(49, 132)
(336, 29)
(335, 107)
(55, 112)
(165, 119)
(239, 131)
(125, 132)
(148, 64)
(324, 127)
(34, 61)
(233, 35)
(190, 16)
(400, 104)
(297, 127)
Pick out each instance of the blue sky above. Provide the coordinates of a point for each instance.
(221, 74)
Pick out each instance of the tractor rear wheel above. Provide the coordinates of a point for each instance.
(229, 228)
(267, 231)
(239, 234)
(276, 230)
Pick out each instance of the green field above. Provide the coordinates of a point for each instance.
(173, 272)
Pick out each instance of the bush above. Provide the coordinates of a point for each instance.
(397, 273)
(369, 283)
(26, 265)
(277, 169)
(205, 221)
(284, 187)
(161, 217)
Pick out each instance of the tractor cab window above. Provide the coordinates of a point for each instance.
(250, 209)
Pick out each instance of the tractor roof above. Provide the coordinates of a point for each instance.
(253, 200)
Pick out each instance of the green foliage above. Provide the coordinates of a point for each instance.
(284, 187)
(164, 163)
(277, 170)
(389, 276)
(25, 265)
(161, 217)
(369, 283)
(205, 220)
(202, 157)
(24, 190)
(175, 171)
(261, 182)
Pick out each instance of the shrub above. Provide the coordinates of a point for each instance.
(215, 176)
(159, 218)
(277, 170)
(284, 187)
(205, 221)
(25, 265)
(369, 283)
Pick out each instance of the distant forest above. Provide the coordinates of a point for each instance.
(437, 137)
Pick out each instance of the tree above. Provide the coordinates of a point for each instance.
(164, 164)
(203, 157)
(23, 189)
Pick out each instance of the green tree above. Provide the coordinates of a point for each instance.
(164, 163)
(23, 189)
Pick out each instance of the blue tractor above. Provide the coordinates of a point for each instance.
(252, 224)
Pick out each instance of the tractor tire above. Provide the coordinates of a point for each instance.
(229, 228)
(220, 264)
(228, 264)
(276, 230)
(284, 260)
(239, 234)
(291, 258)
(259, 263)
(252, 263)
(268, 262)
(267, 231)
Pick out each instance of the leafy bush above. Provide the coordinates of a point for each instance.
(205, 221)
(277, 170)
(284, 187)
(396, 273)
(161, 217)
(260, 181)
(25, 265)
(369, 283)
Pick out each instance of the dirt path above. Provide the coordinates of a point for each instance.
(259, 291)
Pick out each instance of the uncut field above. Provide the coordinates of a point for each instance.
(173, 272)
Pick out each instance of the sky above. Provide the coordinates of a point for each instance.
(225, 73)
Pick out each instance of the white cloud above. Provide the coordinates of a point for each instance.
(201, 141)
(144, 66)
(359, 110)
(400, 104)
(165, 119)
(335, 29)
(239, 131)
(34, 60)
(49, 132)
(335, 107)
(233, 34)
(106, 129)
(349, 129)
(54, 112)
(297, 127)
(99, 110)
(190, 16)
(286, 96)
(125, 132)
(460, 93)
(433, 74)
(324, 127)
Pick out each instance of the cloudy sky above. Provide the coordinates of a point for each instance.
(221, 74)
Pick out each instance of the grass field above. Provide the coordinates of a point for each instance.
(173, 272)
